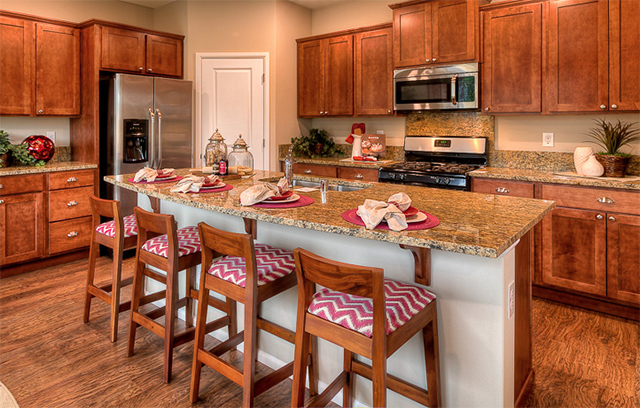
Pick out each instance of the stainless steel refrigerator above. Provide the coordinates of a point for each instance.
(146, 121)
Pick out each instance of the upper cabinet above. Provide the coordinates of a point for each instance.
(374, 73)
(39, 67)
(434, 33)
(325, 77)
(624, 55)
(126, 50)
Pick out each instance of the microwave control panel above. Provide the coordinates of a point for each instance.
(466, 89)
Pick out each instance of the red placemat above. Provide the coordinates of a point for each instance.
(227, 187)
(168, 180)
(430, 222)
(304, 200)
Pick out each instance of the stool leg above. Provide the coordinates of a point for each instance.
(91, 271)
(201, 323)
(136, 294)
(301, 353)
(313, 366)
(116, 282)
(250, 350)
(432, 362)
(379, 375)
(347, 390)
(169, 322)
(191, 283)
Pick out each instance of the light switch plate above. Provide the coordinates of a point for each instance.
(51, 135)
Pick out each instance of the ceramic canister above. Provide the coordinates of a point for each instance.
(580, 156)
(592, 168)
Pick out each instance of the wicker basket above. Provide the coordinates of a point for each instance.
(614, 166)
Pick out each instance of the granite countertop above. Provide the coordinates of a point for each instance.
(341, 161)
(552, 177)
(48, 168)
(470, 223)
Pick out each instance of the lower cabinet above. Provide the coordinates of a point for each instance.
(347, 173)
(623, 257)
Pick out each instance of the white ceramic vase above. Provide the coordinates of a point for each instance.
(580, 156)
(592, 167)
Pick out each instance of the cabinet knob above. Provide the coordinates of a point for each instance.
(1, 201)
(148, 69)
(72, 203)
(1, 186)
(428, 60)
(502, 190)
(486, 109)
(614, 106)
(599, 216)
(40, 111)
(605, 200)
(603, 106)
(358, 176)
(434, 60)
(72, 234)
(308, 171)
(611, 218)
(71, 179)
(388, 110)
(141, 69)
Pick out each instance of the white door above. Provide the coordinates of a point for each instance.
(231, 97)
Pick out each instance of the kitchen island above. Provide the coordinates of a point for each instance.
(478, 251)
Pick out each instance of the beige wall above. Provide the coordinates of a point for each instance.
(351, 14)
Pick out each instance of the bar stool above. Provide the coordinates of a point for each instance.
(366, 314)
(165, 247)
(250, 274)
(120, 234)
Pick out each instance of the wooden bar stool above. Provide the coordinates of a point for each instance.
(250, 274)
(165, 247)
(119, 234)
(366, 314)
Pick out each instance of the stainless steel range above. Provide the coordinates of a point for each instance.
(441, 162)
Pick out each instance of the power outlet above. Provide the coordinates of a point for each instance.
(380, 132)
(51, 135)
(511, 300)
(547, 139)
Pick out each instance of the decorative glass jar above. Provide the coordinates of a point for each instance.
(240, 158)
(216, 149)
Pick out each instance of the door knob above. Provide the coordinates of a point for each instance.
(614, 106)
(428, 60)
(148, 69)
(434, 60)
(40, 111)
(603, 106)
(611, 218)
(599, 216)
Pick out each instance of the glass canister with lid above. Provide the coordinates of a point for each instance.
(216, 151)
(240, 159)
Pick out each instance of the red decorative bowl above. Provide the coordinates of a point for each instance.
(40, 147)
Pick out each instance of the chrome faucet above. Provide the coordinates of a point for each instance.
(288, 166)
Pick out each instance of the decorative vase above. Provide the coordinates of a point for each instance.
(580, 156)
(592, 168)
(614, 166)
(40, 147)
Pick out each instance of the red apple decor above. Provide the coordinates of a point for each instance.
(40, 147)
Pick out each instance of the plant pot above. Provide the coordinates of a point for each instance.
(5, 159)
(614, 166)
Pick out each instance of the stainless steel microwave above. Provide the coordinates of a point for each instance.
(436, 88)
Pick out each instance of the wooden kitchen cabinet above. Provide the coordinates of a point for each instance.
(39, 67)
(624, 55)
(374, 73)
(316, 170)
(126, 50)
(325, 77)
(434, 33)
(503, 187)
(22, 219)
(512, 65)
(357, 174)
(623, 257)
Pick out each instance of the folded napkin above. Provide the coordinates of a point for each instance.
(188, 183)
(372, 212)
(400, 200)
(148, 174)
(262, 191)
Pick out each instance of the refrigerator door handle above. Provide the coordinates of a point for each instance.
(159, 114)
(152, 137)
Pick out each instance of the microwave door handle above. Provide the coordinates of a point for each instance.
(152, 138)
(454, 98)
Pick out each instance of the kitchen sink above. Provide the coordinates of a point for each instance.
(330, 187)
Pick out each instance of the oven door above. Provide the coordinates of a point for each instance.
(426, 92)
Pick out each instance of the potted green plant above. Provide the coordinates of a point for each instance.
(611, 138)
(21, 154)
(5, 149)
(317, 144)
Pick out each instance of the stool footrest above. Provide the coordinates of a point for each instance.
(148, 323)
(100, 293)
(227, 345)
(184, 337)
(153, 297)
(327, 395)
(273, 378)
(154, 275)
(276, 330)
(221, 366)
(402, 387)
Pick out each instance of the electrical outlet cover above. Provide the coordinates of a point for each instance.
(547, 139)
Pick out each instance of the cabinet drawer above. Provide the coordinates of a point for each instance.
(358, 174)
(21, 184)
(66, 179)
(315, 170)
(69, 235)
(593, 198)
(69, 203)
(502, 187)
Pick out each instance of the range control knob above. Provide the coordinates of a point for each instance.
(446, 180)
(392, 175)
(402, 176)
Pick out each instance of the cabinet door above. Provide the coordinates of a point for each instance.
(411, 35)
(454, 31)
(16, 66)
(624, 55)
(164, 56)
(338, 81)
(511, 69)
(502, 187)
(21, 227)
(315, 170)
(310, 78)
(623, 258)
(374, 73)
(578, 67)
(57, 70)
(574, 250)
(123, 50)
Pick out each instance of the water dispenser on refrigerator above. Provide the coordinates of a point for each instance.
(136, 137)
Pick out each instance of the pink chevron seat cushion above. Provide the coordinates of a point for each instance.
(403, 301)
(188, 243)
(109, 228)
(273, 263)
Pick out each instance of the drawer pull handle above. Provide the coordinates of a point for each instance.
(358, 176)
(72, 234)
(502, 190)
(72, 203)
(71, 179)
(605, 200)
(612, 218)
(307, 171)
(599, 216)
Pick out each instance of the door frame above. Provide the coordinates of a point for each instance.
(200, 57)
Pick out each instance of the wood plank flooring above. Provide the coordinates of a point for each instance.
(49, 358)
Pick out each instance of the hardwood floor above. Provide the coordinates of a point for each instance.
(49, 358)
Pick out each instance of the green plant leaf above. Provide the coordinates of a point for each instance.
(611, 138)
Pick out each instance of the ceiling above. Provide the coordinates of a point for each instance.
(311, 4)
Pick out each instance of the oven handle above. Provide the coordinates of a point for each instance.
(454, 98)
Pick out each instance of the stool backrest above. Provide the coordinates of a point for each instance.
(109, 209)
(217, 243)
(151, 225)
